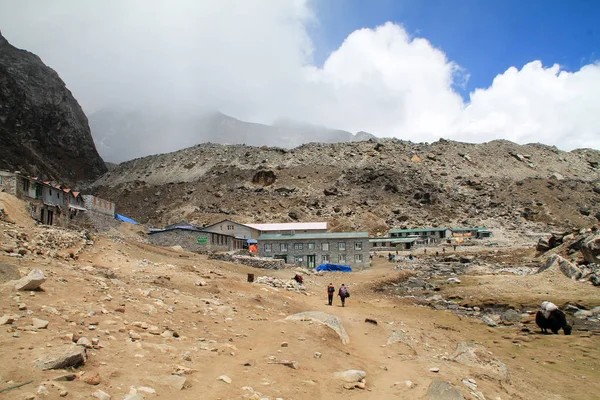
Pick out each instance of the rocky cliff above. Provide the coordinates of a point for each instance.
(43, 130)
(364, 185)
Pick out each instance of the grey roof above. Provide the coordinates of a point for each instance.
(417, 230)
(316, 235)
(188, 228)
(393, 240)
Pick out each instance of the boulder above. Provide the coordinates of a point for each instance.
(63, 357)
(351, 375)
(9, 272)
(591, 249)
(32, 281)
(476, 355)
(510, 316)
(566, 267)
(329, 320)
(441, 390)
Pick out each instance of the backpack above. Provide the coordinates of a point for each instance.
(330, 289)
(344, 291)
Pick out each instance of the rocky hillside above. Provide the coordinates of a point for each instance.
(363, 186)
(43, 130)
(125, 134)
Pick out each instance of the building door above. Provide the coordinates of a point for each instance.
(310, 261)
(50, 216)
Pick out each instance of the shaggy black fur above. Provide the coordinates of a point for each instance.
(555, 322)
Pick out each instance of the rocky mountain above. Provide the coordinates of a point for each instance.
(43, 130)
(364, 185)
(125, 134)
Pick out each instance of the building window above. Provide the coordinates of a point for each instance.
(268, 247)
(342, 246)
(298, 246)
(358, 258)
(230, 227)
(325, 258)
(283, 247)
(342, 258)
(298, 259)
(358, 246)
(0, 179)
(325, 246)
(25, 185)
(310, 246)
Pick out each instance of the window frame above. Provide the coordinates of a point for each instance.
(341, 258)
(325, 246)
(283, 247)
(268, 247)
(358, 246)
(358, 258)
(298, 246)
(342, 246)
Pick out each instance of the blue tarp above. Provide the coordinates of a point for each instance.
(334, 267)
(250, 241)
(125, 219)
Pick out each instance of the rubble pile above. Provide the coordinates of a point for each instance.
(50, 241)
(575, 253)
(288, 284)
(251, 261)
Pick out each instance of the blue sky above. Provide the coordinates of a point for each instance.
(485, 37)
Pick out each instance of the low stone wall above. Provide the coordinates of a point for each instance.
(256, 262)
(188, 240)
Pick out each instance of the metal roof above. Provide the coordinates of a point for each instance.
(468, 229)
(418, 230)
(290, 226)
(392, 240)
(316, 235)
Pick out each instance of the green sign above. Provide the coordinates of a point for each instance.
(202, 240)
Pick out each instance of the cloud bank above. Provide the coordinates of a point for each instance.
(253, 60)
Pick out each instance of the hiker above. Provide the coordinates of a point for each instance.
(454, 247)
(343, 293)
(443, 250)
(330, 293)
(425, 251)
(298, 278)
(411, 257)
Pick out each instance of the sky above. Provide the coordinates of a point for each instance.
(420, 70)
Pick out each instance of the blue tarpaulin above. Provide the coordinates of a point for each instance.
(125, 219)
(334, 267)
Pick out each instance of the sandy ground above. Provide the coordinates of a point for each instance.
(235, 328)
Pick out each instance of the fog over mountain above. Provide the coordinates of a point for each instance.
(122, 135)
(254, 60)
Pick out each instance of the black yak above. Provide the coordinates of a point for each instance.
(555, 322)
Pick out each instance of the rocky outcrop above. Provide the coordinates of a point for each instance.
(43, 130)
(329, 320)
(591, 249)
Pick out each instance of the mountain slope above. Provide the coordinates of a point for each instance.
(43, 130)
(364, 185)
(122, 135)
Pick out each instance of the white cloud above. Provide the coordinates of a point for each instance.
(253, 60)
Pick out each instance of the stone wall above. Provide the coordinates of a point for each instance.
(256, 262)
(188, 240)
(8, 182)
(99, 205)
(93, 221)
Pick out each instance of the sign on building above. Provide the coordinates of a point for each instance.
(202, 240)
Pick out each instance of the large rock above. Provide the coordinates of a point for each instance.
(476, 355)
(43, 130)
(8, 272)
(32, 281)
(329, 320)
(174, 381)
(591, 249)
(440, 390)
(351, 375)
(63, 357)
(566, 267)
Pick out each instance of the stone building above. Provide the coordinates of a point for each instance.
(192, 238)
(389, 244)
(313, 249)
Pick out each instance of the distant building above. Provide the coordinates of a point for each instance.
(313, 249)
(388, 243)
(430, 236)
(53, 204)
(193, 238)
(229, 227)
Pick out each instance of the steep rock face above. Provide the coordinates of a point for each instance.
(43, 130)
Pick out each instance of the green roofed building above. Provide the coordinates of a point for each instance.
(313, 249)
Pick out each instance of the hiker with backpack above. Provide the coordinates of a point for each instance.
(343, 293)
(330, 292)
